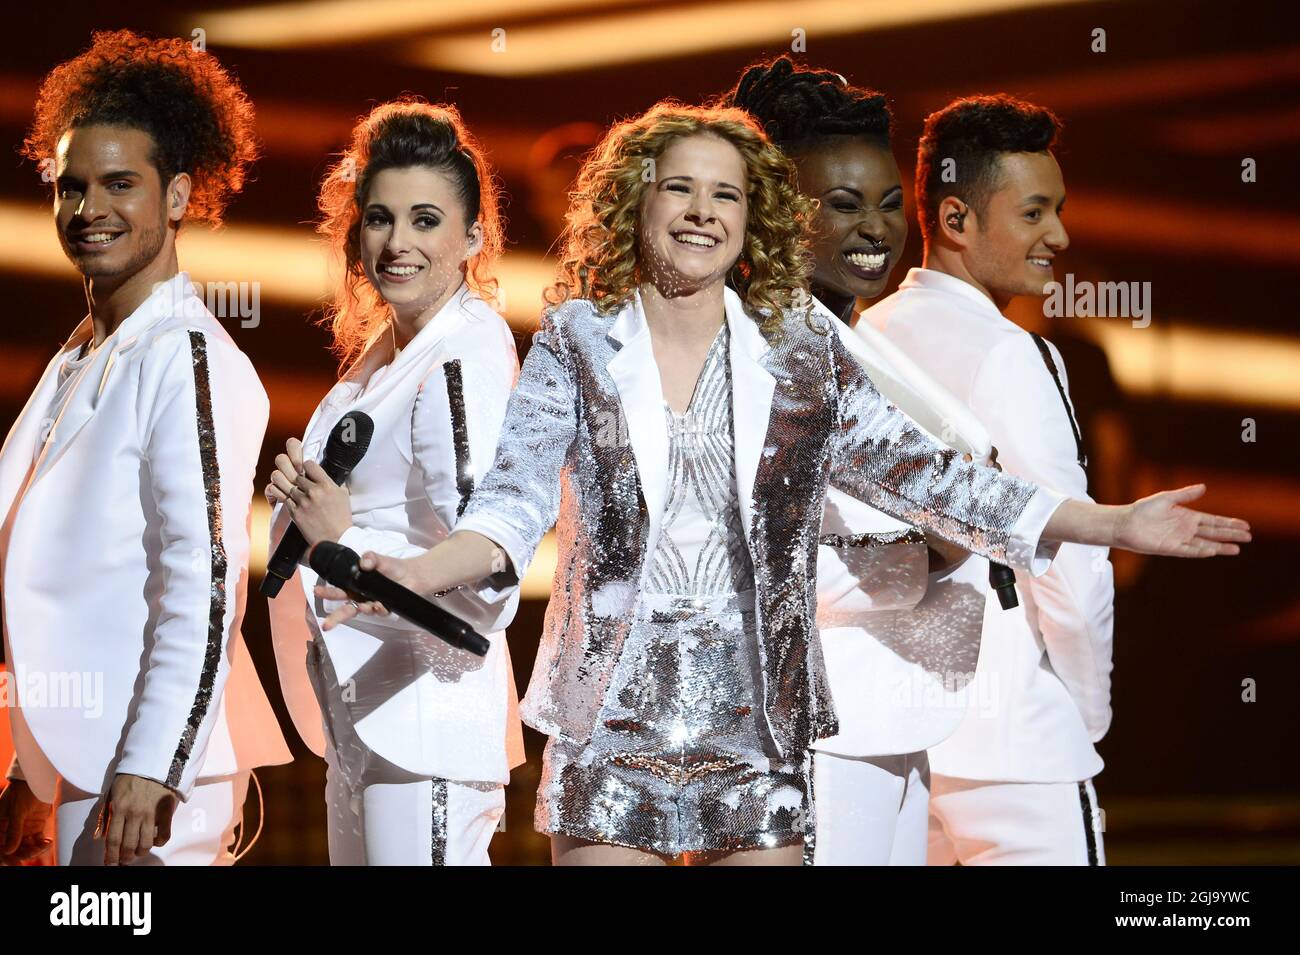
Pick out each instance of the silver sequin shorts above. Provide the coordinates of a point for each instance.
(681, 759)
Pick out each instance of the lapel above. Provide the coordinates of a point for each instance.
(641, 396)
(355, 393)
(167, 299)
(77, 410)
(30, 430)
(418, 353)
(752, 387)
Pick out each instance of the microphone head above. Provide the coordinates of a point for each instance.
(335, 563)
(350, 440)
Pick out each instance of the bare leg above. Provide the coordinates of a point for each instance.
(566, 850)
(782, 855)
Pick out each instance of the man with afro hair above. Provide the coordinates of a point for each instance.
(126, 484)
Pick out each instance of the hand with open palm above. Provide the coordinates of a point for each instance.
(1162, 524)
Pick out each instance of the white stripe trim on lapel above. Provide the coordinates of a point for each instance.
(641, 395)
(752, 388)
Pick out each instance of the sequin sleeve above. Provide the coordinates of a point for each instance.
(519, 498)
(202, 415)
(882, 457)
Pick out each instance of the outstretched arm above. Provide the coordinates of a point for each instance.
(519, 498)
(881, 456)
(1161, 524)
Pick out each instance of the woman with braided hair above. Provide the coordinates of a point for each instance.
(839, 138)
(898, 611)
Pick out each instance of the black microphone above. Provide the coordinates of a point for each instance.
(1003, 581)
(341, 566)
(347, 445)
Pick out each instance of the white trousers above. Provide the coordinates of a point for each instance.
(382, 814)
(871, 810)
(203, 828)
(989, 823)
(419, 822)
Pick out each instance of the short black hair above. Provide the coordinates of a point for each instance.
(198, 116)
(799, 107)
(974, 132)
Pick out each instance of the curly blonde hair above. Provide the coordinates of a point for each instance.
(599, 254)
(401, 134)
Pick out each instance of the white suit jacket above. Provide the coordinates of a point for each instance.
(437, 409)
(1044, 667)
(125, 554)
(900, 644)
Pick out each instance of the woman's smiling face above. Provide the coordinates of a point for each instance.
(414, 238)
(693, 214)
(860, 229)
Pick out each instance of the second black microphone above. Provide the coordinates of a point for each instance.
(341, 566)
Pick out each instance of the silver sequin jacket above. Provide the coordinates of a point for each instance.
(584, 448)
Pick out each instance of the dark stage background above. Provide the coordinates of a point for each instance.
(1157, 129)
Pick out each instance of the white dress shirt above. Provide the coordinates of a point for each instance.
(1045, 665)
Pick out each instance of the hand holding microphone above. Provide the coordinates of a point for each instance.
(395, 569)
(312, 494)
(341, 567)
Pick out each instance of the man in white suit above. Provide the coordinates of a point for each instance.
(126, 483)
(1013, 784)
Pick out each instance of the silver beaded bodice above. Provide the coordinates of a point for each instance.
(701, 548)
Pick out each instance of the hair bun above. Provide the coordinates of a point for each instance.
(796, 105)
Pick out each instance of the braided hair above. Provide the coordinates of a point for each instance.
(800, 108)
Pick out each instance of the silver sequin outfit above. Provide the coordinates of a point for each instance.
(679, 760)
(805, 414)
